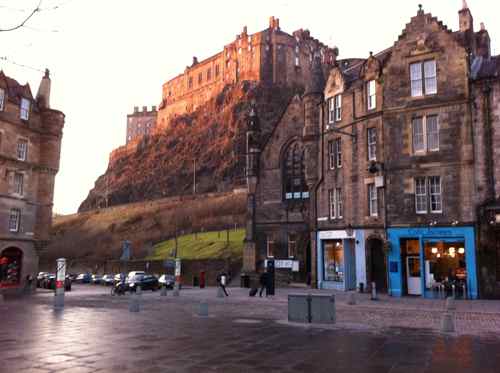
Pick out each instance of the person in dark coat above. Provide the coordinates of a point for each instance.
(222, 280)
(263, 282)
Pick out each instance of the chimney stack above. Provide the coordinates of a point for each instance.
(144, 109)
(153, 108)
(43, 95)
(136, 109)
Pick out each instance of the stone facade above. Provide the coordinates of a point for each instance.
(271, 56)
(140, 123)
(406, 144)
(30, 147)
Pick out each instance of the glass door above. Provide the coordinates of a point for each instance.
(413, 275)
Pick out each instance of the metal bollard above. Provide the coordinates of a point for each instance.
(203, 309)
(448, 323)
(220, 293)
(374, 291)
(351, 300)
(60, 283)
(163, 292)
(453, 291)
(134, 305)
(450, 304)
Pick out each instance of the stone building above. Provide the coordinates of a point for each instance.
(141, 123)
(268, 56)
(398, 181)
(30, 142)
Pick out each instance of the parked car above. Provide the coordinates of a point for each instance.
(120, 277)
(40, 278)
(167, 280)
(96, 279)
(108, 280)
(84, 278)
(135, 275)
(50, 282)
(146, 282)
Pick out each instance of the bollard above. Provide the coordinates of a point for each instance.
(176, 291)
(374, 291)
(361, 287)
(453, 291)
(203, 309)
(351, 300)
(134, 305)
(220, 293)
(60, 283)
(448, 323)
(163, 292)
(450, 304)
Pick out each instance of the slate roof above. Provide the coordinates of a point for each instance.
(485, 68)
(14, 89)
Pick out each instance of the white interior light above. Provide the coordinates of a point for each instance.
(451, 250)
(434, 250)
(461, 250)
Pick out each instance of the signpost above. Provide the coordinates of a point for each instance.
(177, 276)
(60, 282)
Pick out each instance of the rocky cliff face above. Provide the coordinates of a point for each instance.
(162, 164)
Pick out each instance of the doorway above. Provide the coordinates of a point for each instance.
(10, 267)
(413, 275)
(378, 270)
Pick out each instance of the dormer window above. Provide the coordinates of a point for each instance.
(423, 78)
(2, 99)
(371, 95)
(25, 109)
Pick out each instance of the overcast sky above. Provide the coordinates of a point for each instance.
(107, 56)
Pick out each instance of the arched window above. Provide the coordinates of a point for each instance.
(294, 181)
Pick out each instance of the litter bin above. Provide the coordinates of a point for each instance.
(245, 281)
(202, 279)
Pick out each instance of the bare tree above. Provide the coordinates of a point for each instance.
(33, 12)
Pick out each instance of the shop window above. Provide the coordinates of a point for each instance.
(333, 254)
(423, 78)
(445, 265)
(292, 245)
(294, 181)
(10, 267)
(371, 134)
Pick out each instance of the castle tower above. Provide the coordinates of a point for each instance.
(252, 172)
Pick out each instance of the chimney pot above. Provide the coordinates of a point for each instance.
(144, 108)
(153, 108)
(136, 109)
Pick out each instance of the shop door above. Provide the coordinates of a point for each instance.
(378, 270)
(413, 275)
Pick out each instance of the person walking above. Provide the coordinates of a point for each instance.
(263, 282)
(223, 282)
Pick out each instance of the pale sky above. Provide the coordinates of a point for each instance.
(108, 56)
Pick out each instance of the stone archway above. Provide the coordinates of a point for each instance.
(11, 261)
(377, 269)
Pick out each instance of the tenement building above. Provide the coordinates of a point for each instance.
(385, 172)
(268, 56)
(30, 143)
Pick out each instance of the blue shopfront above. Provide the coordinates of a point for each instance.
(433, 262)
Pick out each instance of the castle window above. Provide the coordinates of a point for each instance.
(371, 95)
(25, 109)
(18, 183)
(423, 78)
(209, 74)
(371, 134)
(22, 150)
(14, 220)
(294, 181)
(2, 99)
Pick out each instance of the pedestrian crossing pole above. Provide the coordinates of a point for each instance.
(60, 282)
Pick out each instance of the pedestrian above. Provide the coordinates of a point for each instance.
(223, 282)
(263, 282)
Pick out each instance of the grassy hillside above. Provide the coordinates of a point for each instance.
(207, 245)
(99, 234)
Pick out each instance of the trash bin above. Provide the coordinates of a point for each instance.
(245, 281)
(195, 281)
(202, 279)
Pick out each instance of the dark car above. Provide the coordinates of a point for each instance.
(146, 282)
(83, 278)
(50, 282)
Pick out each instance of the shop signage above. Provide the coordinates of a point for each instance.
(327, 235)
(285, 264)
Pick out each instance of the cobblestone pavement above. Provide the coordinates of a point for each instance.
(96, 332)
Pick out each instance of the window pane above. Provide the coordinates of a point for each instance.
(333, 254)
(420, 195)
(372, 144)
(432, 133)
(416, 71)
(2, 99)
(418, 135)
(338, 148)
(430, 77)
(331, 110)
(435, 193)
(331, 201)
(25, 109)
(331, 155)
(373, 203)
(339, 201)
(338, 107)
(371, 95)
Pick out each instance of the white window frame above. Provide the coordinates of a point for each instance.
(290, 242)
(371, 94)
(425, 134)
(421, 182)
(332, 204)
(331, 155)
(435, 194)
(423, 81)
(24, 109)
(331, 110)
(14, 220)
(338, 107)
(2, 99)
(19, 183)
(270, 243)
(339, 203)
(338, 152)
(371, 136)
(372, 200)
(22, 149)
